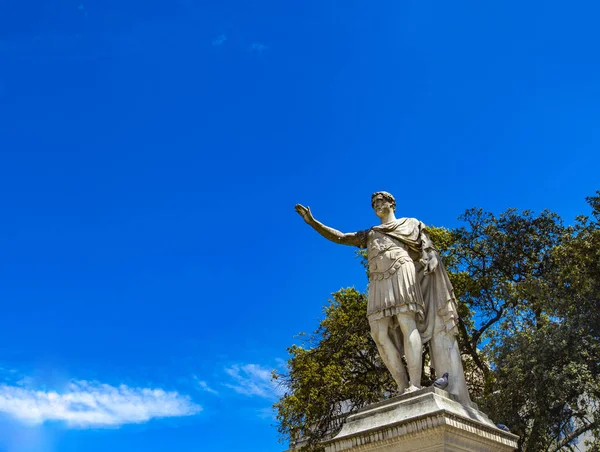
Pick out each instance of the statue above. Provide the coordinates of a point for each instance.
(410, 298)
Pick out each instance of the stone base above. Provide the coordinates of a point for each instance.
(425, 420)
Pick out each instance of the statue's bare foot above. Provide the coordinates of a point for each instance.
(412, 388)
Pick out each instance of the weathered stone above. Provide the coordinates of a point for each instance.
(426, 420)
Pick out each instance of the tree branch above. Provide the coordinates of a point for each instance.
(567, 439)
(471, 350)
(480, 331)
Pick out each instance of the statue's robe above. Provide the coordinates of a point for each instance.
(398, 283)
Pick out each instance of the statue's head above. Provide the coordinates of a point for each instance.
(382, 202)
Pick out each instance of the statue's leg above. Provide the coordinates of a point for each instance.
(388, 351)
(446, 358)
(413, 347)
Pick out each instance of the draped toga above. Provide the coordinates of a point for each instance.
(397, 280)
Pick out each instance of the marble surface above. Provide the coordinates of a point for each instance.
(430, 419)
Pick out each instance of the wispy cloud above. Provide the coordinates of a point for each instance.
(281, 363)
(252, 380)
(82, 9)
(219, 40)
(91, 404)
(258, 47)
(266, 413)
(204, 386)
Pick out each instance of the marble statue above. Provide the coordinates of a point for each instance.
(410, 298)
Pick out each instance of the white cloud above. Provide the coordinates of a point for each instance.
(258, 47)
(204, 386)
(219, 40)
(252, 380)
(90, 404)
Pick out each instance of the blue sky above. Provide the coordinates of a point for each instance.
(153, 269)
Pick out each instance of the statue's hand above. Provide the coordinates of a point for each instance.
(304, 212)
(430, 263)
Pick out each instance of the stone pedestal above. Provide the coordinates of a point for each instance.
(425, 420)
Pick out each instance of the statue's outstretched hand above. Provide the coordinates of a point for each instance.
(304, 212)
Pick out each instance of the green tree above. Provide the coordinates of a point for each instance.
(529, 301)
(335, 370)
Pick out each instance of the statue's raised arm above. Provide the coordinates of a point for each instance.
(351, 238)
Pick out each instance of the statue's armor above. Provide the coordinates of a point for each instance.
(385, 255)
(392, 278)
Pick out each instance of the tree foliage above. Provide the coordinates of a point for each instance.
(529, 303)
(336, 370)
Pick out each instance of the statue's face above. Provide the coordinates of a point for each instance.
(382, 207)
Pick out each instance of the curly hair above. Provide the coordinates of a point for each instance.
(385, 195)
